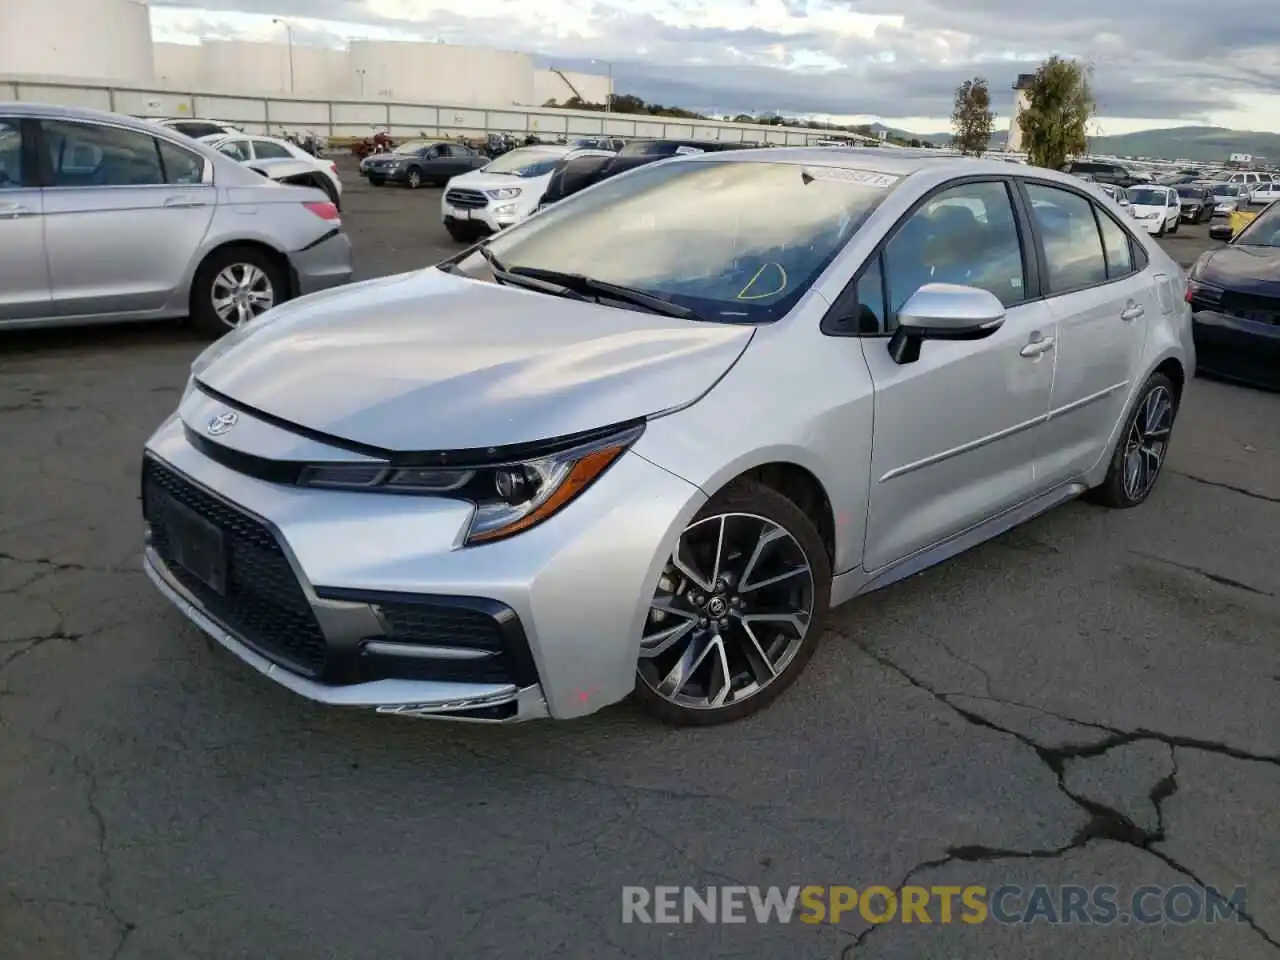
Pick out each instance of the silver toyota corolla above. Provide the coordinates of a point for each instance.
(105, 218)
(644, 440)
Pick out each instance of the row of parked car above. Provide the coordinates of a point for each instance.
(1162, 208)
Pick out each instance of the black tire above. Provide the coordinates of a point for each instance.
(459, 234)
(758, 501)
(376, 182)
(1113, 492)
(203, 315)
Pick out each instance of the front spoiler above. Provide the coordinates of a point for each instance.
(414, 698)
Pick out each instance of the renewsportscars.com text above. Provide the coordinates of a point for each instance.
(1008, 904)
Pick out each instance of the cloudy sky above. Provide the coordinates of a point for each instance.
(1157, 62)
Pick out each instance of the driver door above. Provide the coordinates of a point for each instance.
(959, 431)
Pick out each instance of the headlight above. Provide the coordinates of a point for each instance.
(509, 497)
(505, 210)
(504, 193)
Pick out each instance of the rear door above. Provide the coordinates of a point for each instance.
(1102, 295)
(24, 270)
(124, 215)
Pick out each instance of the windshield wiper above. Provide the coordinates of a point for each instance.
(491, 259)
(585, 284)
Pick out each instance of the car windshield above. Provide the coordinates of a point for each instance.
(1226, 190)
(525, 163)
(410, 147)
(1191, 193)
(729, 242)
(1146, 197)
(1263, 231)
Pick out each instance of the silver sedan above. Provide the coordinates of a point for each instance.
(644, 441)
(104, 218)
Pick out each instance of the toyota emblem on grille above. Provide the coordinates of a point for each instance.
(222, 423)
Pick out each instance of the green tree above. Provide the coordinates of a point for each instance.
(1055, 121)
(972, 119)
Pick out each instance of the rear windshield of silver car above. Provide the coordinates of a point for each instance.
(734, 242)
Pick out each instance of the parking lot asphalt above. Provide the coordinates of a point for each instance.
(1091, 699)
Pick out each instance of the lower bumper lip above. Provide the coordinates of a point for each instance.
(414, 698)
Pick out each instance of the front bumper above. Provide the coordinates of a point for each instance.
(576, 587)
(1153, 226)
(1192, 212)
(1234, 348)
(322, 265)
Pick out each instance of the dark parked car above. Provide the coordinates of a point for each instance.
(574, 175)
(1106, 172)
(420, 163)
(1197, 203)
(671, 148)
(1234, 293)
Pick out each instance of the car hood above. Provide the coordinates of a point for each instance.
(1147, 209)
(1242, 267)
(432, 361)
(479, 180)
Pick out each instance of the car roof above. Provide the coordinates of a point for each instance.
(894, 161)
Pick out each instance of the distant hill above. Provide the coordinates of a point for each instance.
(1176, 143)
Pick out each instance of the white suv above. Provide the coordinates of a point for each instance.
(504, 192)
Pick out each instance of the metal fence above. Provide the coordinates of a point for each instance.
(361, 118)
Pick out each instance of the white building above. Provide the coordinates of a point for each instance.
(1020, 103)
(110, 40)
(101, 39)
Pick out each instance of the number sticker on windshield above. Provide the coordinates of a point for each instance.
(845, 175)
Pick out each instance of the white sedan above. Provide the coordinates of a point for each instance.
(247, 147)
(1158, 209)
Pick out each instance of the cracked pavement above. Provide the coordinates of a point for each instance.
(1093, 698)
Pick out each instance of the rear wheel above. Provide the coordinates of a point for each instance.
(1140, 452)
(738, 610)
(233, 286)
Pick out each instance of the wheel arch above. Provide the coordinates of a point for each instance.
(803, 488)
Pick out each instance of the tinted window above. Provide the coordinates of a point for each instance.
(1115, 243)
(964, 235)
(180, 166)
(266, 150)
(10, 154)
(1264, 231)
(734, 242)
(1072, 247)
(237, 150)
(88, 155)
(872, 315)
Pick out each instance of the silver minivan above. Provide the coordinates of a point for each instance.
(105, 218)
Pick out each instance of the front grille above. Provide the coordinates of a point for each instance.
(1259, 309)
(264, 603)
(458, 197)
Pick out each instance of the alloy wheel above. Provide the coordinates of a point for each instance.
(732, 609)
(415, 179)
(242, 291)
(1147, 442)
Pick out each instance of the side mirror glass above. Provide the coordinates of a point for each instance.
(944, 311)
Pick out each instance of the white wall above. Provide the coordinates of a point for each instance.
(249, 67)
(441, 73)
(109, 39)
(550, 85)
(179, 65)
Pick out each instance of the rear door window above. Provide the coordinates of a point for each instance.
(1072, 244)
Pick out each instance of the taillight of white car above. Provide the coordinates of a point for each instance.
(323, 209)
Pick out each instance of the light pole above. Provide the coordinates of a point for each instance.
(608, 100)
(360, 72)
(288, 29)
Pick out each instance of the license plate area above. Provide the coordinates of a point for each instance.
(197, 545)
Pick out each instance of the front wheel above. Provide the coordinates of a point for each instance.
(738, 609)
(1140, 452)
(414, 179)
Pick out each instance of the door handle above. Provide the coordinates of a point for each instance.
(1132, 312)
(1037, 347)
(185, 202)
(12, 211)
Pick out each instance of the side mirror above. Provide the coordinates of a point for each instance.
(1220, 231)
(944, 311)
